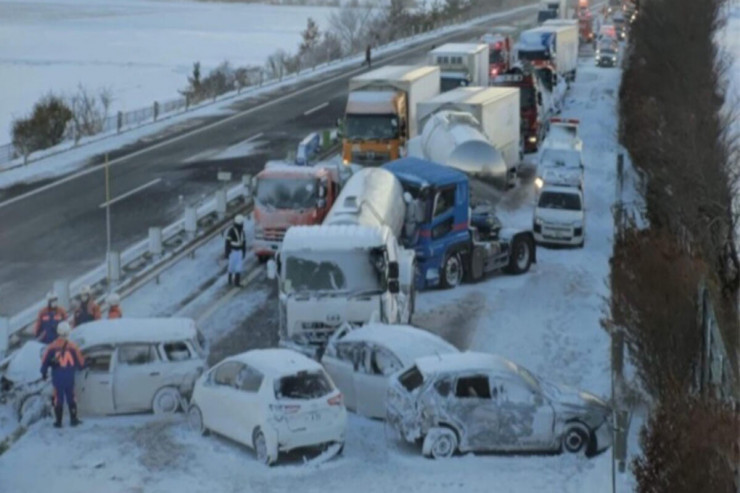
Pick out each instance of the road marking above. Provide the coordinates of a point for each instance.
(221, 302)
(317, 108)
(343, 75)
(131, 192)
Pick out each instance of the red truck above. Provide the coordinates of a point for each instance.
(500, 53)
(287, 195)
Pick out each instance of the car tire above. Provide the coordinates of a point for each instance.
(521, 255)
(452, 271)
(575, 439)
(259, 443)
(195, 420)
(440, 443)
(166, 401)
(28, 406)
(262, 259)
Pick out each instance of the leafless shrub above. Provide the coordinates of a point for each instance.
(89, 110)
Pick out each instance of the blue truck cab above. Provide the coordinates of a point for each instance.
(454, 240)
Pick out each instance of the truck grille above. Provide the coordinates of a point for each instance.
(371, 158)
(274, 234)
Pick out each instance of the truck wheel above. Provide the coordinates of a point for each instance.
(452, 271)
(520, 255)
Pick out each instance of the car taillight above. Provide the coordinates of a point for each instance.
(335, 401)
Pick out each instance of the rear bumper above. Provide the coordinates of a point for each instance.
(309, 437)
(573, 240)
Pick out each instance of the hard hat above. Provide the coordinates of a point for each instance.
(239, 219)
(113, 299)
(85, 290)
(63, 329)
(51, 296)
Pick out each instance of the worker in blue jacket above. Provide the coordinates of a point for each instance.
(64, 358)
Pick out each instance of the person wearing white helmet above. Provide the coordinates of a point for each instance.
(87, 310)
(48, 319)
(64, 358)
(236, 249)
(114, 308)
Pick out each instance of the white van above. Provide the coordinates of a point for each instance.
(560, 216)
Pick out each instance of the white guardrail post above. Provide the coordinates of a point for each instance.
(61, 288)
(155, 241)
(221, 203)
(191, 222)
(114, 266)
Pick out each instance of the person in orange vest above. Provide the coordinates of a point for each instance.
(87, 310)
(114, 308)
(48, 319)
(64, 358)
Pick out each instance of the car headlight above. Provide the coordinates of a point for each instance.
(614, 59)
(538, 221)
(532, 139)
(539, 182)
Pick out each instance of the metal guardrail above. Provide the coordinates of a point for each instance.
(121, 122)
(147, 259)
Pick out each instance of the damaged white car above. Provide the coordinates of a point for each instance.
(272, 400)
(360, 361)
(471, 402)
(21, 385)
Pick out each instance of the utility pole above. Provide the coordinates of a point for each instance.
(107, 216)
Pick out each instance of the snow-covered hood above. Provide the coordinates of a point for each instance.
(561, 175)
(559, 217)
(567, 399)
(24, 366)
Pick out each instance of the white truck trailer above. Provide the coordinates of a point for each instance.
(351, 269)
(566, 44)
(461, 64)
(496, 109)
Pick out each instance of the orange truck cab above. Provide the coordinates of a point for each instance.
(287, 195)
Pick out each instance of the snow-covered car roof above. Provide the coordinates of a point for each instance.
(276, 363)
(336, 237)
(553, 156)
(460, 362)
(406, 342)
(560, 189)
(130, 330)
(562, 176)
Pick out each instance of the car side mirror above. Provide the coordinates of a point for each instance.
(393, 270)
(271, 269)
(393, 286)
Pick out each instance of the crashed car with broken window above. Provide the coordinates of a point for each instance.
(471, 402)
(21, 385)
(272, 400)
(361, 359)
(131, 365)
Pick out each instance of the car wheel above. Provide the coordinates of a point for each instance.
(195, 420)
(262, 259)
(31, 409)
(166, 401)
(520, 257)
(452, 271)
(440, 443)
(259, 442)
(575, 439)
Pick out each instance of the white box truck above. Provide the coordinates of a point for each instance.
(462, 64)
(381, 111)
(495, 108)
(565, 32)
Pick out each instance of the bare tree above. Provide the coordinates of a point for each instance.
(89, 110)
(350, 26)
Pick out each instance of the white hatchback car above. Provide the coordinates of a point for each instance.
(360, 360)
(272, 400)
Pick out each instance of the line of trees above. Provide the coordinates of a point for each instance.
(676, 126)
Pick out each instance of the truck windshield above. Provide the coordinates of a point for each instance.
(450, 83)
(560, 200)
(371, 127)
(546, 15)
(534, 55)
(496, 56)
(287, 193)
(336, 272)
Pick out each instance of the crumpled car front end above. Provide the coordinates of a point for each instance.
(404, 409)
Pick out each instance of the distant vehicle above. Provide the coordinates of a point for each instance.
(559, 167)
(620, 25)
(461, 64)
(613, 6)
(607, 54)
(361, 360)
(560, 216)
(471, 402)
(608, 32)
(271, 400)
(500, 53)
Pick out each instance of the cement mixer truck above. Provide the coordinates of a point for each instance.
(493, 123)
(351, 269)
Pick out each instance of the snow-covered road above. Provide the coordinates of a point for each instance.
(547, 320)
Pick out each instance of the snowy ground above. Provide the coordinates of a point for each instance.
(547, 320)
(142, 49)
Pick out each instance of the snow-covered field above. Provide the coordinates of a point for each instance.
(547, 320)
(142, 49)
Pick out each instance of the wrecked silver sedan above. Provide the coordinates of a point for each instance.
(471, 402)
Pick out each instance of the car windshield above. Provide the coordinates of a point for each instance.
(560, 200)
(450, 83)
(303, 385)
(287, 193)
(371, 127)
(335, 272)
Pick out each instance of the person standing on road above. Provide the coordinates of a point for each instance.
(87, 310)
(48, 319)
(368, 56)
(236, 249)
(64, 358)
(114, 306)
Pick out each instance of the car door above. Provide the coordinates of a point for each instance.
(341, 368)
(371, 381)
(94, 384)
(137, 377)
(245, 411)
(526, 418)
(475, 411)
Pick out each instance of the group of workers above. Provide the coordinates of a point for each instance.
(63, 356)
